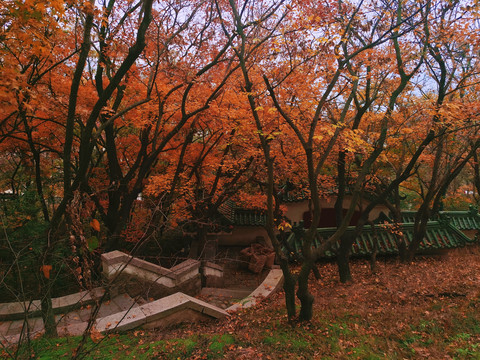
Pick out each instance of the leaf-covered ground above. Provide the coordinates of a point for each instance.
(428, 309)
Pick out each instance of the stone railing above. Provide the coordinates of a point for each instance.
(179, 307)
(270, 285)
(171, 309)
(212, 275)
(175, 308)
(130, 275)
(134, 276)
(60, 305)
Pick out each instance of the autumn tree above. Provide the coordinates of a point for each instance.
(214, 164)
(407, 148)
(35, 49)
(392, 82)
(475, 169)
(314, 59)
(183, 71)
(453, 67)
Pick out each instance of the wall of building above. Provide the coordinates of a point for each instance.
(243, 236)
(246, 235)
(296, 210)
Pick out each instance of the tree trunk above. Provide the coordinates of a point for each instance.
(420, 229)
(306, 299)
(343, 257)
(373, 258)
(400, 239)
(117, 217)
(289, 288)
(345, 243)
(402, 248)
(202, 241)
(48, 316)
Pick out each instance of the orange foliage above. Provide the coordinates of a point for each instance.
(179, 128)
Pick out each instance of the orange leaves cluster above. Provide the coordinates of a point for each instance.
(175, 136)
(45, 269)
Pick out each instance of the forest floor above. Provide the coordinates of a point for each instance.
(427, 309)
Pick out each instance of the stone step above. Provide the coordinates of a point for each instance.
(70, 324)
(10, 330)
(75, 323)
(124, 302)
(227, 293)
(74, 329)
(17, 310)
(166, 311)
(119, 303)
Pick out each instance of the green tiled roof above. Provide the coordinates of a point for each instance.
(237, 216)
(227, 209)
(249, 218)
(440, 235)
(462, 220)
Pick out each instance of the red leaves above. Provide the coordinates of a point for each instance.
(95, 335)
(46, 270)
(95, 225)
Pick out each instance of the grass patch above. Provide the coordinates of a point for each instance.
(218, 345)
(345, 336)
(472, 351)
(116, 346)
(287, 341)
(467, 322)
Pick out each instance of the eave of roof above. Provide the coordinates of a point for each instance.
(462, 220)
(440, 235)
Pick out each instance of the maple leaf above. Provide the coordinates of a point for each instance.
(45, 269)
(95, 224)
(96, 335)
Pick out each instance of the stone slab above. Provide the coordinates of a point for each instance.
(18, 308)
(209, 264)
(227, 293)
(114, 257)
(85, 313)
(69, 318)
(107, 308)
(178, 302)
(64, 303)
(115, 261)
(121, 269)
(149, 276)
(151, 313)
(204, 307)
(9, 339)
(124, 320)
(183, 316)
(165, 306)
(35, 325)
(157, 269)
(272, 283)
(15, 327)
(213, 281)
(72, 329)
(4, 325)
(124, 301)
(185, 266)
